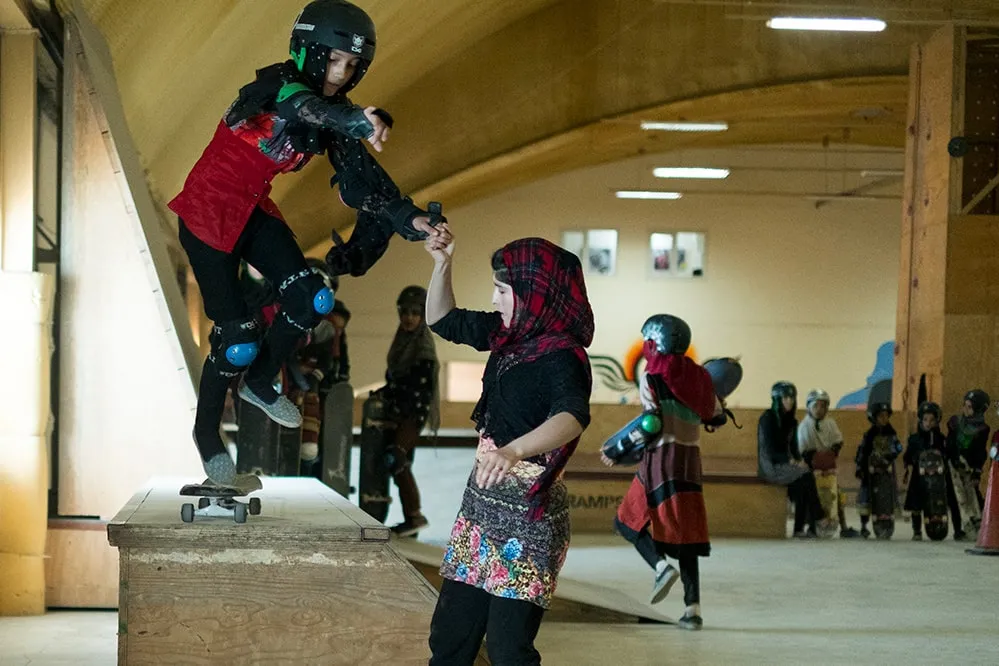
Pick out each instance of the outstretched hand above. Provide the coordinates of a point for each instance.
(380, 133)
(440, 246)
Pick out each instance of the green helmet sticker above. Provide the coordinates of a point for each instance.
(651, 423)
(299, 58)
(289, 89)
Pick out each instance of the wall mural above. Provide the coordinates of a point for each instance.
(878, 382)
(622, 377)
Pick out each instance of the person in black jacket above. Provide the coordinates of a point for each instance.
(880, 440)
(967, 441)
(779, 461)
(927, 436)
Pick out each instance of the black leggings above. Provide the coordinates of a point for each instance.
(269, 246)
(807, 506)
(652, 552)
(465, 614)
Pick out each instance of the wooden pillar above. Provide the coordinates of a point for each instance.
(948, 306)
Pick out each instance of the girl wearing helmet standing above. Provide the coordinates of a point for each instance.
(779, 462)
(880, 440)
(511, 535)
(927, 436)
(663, 512)
(967, 441)
(411, 399)
(819, 442)
(291, 112)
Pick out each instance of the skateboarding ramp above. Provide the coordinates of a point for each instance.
(575, 600)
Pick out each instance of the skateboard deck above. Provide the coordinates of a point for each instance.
(263, 447)
(828, 489)
(882, 497)
(932, 474)
(337, 438)
(217, 500)
(377, 434)
(967, 499)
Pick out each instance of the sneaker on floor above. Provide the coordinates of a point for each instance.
(866, 533)
(664, 583)
(917, 537)
(282, 411)
(849, 533)
(806, 535)
(410, 527)
(690, 622)
(960, 536)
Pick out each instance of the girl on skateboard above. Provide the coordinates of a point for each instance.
(291, 112)
(511, 535)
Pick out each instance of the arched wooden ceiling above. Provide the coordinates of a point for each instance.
(493, 93)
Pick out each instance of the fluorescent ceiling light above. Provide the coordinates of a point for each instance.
(834, 24)
(684, 126)
(645, 194)
(690, 172)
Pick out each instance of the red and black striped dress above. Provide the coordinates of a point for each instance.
(665, 496)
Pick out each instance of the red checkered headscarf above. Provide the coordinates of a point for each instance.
(550, 313)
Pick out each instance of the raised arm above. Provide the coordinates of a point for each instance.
(440, 292)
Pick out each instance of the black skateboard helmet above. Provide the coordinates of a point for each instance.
(929, 408)
(670, 334)
(876, 408)
(782, 390)
(979, 400)
(412, 296)
(325, 25)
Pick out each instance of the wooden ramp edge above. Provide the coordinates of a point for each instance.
(575, 600)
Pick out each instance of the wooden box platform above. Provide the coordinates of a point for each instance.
(312, 579)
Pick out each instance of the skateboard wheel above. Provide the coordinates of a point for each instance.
(203, 502)
(254, 506)
(187, 513)
(239, 513)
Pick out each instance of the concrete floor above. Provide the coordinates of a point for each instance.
(763, 602)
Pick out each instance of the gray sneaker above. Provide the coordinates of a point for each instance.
(221, 470)
(282, 411)
(664, 583)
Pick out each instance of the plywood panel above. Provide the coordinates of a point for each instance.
(119, 369)
(81, 567)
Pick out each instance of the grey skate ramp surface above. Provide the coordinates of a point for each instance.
(575, 600)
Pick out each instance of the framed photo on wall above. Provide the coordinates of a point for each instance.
(596, 249)
(677, 254)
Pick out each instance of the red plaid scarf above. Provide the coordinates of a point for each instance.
(551, 313)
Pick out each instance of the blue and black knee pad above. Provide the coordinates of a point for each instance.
(234, 345)
(305, 299)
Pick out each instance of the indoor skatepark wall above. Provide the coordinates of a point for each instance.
(801, 293)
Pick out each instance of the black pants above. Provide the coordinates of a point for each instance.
(807, 506)
(465, 614)
(269, 246)
(690, 573)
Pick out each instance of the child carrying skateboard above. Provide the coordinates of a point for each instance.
(967, 441)
(820, 441)
(927, 436)
(881, 442)
(663, 512)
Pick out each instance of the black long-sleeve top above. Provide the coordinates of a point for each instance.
(527, 394)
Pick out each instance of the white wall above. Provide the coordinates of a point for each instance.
(800, 293)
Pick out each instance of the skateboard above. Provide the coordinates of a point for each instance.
(337, 437)
(966, 488)
(933, 476)
(828, 488)
(882, 475)
(215, 500)
(627, 445)
(377, 435)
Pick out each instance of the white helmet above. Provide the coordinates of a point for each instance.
(816, 395)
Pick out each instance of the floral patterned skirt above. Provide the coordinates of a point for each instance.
(494, 547)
